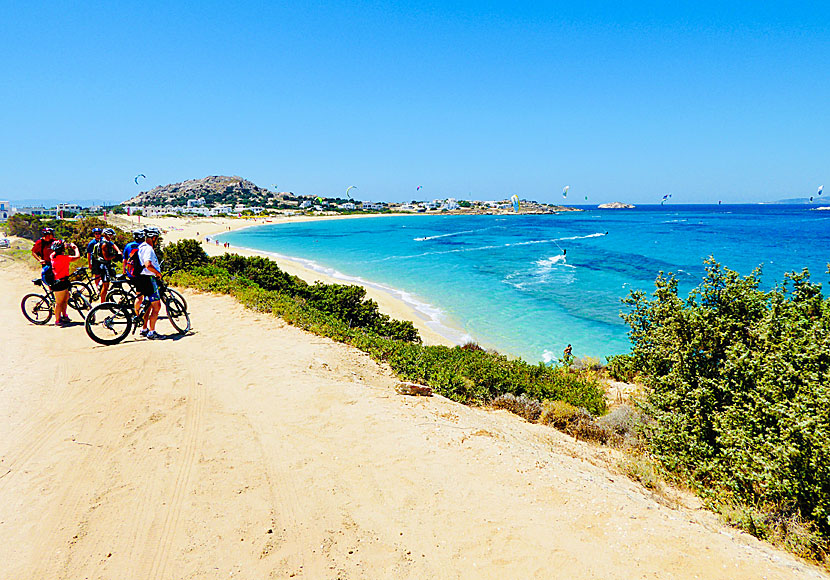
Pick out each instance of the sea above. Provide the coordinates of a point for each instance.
(529, 285)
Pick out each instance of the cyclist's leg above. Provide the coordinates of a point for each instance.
(106, 276)
(155, 304)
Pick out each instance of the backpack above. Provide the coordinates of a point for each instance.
(102, 253)
(132, 264)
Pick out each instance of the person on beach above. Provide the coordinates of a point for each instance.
(60, 266)
(146, 284)
(42, 250)
(106, 253)
(91, 262)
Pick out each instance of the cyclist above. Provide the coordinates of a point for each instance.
(146, 281)
(138, 237)
(91, 261)
(60, 266)
(42, 250)
(106, 252)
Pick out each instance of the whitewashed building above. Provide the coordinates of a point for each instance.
(5, 210)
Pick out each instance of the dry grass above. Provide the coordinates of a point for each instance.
(522, 405)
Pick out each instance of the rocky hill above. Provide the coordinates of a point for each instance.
(215, 189)
(615, 205)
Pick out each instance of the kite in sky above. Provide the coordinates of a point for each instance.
(137, 176)
(348, 189)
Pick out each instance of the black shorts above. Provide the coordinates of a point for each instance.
(61, 285)
(147, 287)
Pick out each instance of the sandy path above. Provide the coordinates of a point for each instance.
(250, 449)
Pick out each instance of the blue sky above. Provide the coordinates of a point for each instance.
(621, 101)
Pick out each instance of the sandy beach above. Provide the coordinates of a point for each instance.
(251, 449)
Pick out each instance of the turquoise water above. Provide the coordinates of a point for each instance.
(529, 285)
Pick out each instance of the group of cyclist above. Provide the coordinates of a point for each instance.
(141, 269)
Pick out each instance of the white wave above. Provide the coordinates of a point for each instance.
(482, 248)
(424, 239)
(548, 357)
(548, 262)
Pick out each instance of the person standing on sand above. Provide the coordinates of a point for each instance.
(146, 284)
(60, 266)
(42, 250)
(91, 261)
(106, 252)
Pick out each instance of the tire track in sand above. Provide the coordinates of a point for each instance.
(161, 543)
(71, 509)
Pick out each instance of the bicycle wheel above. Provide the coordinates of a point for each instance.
(77, 300)
(109, 323)
(36, 308)
(177, 295)
(177, 314)
(121, 298)
(84, 288)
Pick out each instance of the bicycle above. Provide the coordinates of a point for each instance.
(111, 322)
(86, 282)
(124, 293)
(39, 308)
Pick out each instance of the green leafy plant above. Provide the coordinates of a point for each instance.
(739, 388)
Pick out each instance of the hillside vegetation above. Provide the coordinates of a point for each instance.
(738, 399)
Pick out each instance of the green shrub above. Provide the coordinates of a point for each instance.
(184, 255)
(622, 367)
(739, 388)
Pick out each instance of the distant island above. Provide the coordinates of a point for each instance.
(615, 205)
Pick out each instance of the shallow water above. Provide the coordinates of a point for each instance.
(529, 285)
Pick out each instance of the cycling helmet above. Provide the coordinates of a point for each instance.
(108, 232)
(96, 230)
(47, 231)
(138, 235)
(57, 246)
(152, 232)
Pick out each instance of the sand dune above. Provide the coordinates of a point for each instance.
(250, 449)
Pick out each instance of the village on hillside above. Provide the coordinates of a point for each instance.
(234, 196)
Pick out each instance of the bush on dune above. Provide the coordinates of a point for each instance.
(739, 389)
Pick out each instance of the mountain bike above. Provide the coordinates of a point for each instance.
(111, 322)
(39, 308)
(86, 282)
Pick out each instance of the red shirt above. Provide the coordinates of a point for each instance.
(60, 265)
(43, 248)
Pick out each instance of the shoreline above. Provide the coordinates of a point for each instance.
(431, 321)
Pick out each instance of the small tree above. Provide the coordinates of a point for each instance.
(184, 255)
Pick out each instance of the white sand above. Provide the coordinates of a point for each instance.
(251, 449)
